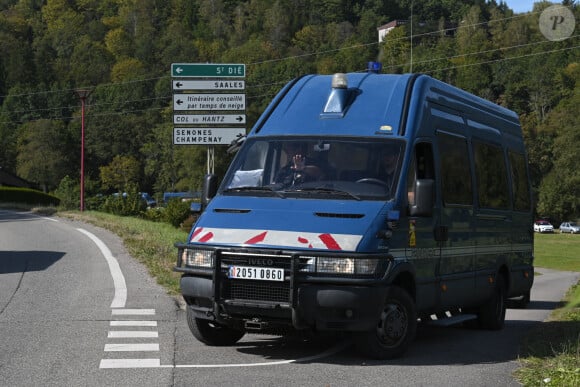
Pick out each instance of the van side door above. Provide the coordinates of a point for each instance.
(493, 215)
(456, 269)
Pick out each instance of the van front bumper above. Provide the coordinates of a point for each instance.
(319, 306)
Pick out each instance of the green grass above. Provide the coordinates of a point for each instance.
(557, 251)
(549, 355)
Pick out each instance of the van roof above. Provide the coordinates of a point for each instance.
(378, 105)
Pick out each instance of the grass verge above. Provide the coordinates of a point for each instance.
(151, 243)
(550, 353)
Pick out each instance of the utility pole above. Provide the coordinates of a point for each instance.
(83, 95)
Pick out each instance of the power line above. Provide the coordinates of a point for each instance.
(361, 45)
(293, 57)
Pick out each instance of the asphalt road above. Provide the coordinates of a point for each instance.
(77, 310)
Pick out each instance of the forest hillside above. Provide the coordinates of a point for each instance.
(120, 53)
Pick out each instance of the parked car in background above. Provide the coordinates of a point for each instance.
(148, 200)
(543, 226)
(571, 227)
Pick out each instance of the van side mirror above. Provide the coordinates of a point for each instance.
(424, 198)
(208, 190)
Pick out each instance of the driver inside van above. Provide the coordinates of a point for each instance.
(299, 168)
(388, 166)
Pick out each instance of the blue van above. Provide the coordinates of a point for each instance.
(364, 203)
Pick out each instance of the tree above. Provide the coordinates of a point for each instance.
(120, 173)
(473, 47)
(395, 50)
(42, 156)
(559, 193)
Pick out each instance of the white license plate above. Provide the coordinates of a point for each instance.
(256, 273)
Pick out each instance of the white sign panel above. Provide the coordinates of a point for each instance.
(209, 102)
(218, 84)
(209, 119)
(206, 136)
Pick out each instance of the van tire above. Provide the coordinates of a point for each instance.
(211, 333)
(492, 313)
(395, 329)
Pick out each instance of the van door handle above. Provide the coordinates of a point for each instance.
(441, 233)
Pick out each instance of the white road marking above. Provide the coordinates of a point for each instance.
(127, 323)
(131, 312)
(132, 334)
(130, 363)
(131, 347)
(120, 298)
(331, 351)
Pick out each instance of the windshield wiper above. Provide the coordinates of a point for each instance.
(328, 191)
(255, 189)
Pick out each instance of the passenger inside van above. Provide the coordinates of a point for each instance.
(299, 168)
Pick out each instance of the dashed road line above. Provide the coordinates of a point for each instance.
(126, 335)
(130, 363)
(133, 312)
(128, 323)
(125, 347)
(132, 335)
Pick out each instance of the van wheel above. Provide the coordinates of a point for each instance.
(211, 333)
(492, 313)
(395, 329)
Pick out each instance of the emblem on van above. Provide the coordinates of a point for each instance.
(261, 261)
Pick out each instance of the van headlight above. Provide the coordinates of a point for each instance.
(195, 258)
(333, 265)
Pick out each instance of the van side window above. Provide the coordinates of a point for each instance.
(520, 184)
(491, 176)
(455, 170)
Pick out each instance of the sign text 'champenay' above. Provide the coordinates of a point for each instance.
(206, 136)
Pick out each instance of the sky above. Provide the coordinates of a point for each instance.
(520, 5)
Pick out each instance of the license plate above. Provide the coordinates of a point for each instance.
(256, 273)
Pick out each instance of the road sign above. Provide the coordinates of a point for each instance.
(209, 102)
(209, 119)
(206, 136)
(208, 70)
(218, 84)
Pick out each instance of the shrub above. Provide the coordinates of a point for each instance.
(68, 192)
(176, 212)
(27, 196)
(125, 204)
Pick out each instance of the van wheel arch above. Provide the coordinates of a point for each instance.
(405, 279)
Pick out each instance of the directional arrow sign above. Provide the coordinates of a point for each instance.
(218, 84)
(207, 70)
(209, 102)
(206, 136)
(209, 119)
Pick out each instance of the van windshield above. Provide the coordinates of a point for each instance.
(316, 167)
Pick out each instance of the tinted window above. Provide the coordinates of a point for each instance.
(455, 170)
(491, 176)
(520, 182)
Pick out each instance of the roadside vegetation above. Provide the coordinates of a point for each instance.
(550, 353)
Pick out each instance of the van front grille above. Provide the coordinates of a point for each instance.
(256, 291)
